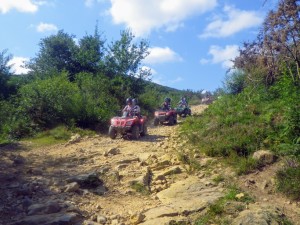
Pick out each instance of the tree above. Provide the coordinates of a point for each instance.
(91, 53)
(57, 53)
(4, 74)
(123, 65)
(234, 82)
(277, 44)
(281, 35)
(124, 57)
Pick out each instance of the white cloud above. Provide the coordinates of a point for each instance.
(40, 3)
(161, 55)
(46, 27)
(143, 16)
(26, 6)
(222, 55)
(176, 80)
(155, 77)
(17, 64)
(153, 71)
(236, 20)
(204, 61)
(90, 3)
(157, 80)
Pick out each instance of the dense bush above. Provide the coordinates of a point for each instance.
(51, 101)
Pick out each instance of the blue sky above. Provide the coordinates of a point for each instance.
(191, 41)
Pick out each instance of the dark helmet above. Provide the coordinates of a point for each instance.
(134, 101)
(129, 100)
(167, 100)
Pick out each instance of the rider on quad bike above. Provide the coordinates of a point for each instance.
(128, 108)
(183, 108)
(165, 114)
(136, 110)
(131, 124)
(183, 102)
(166, 104)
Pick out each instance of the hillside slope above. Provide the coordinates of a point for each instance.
(97, 180)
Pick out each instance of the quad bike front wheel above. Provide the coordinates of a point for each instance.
(145, 130)
(112, 132)
(135, 132)
(156, 122)
(171, 120)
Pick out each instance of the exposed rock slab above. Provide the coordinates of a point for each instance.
(182, 198)
(189, 195)
(168, 171)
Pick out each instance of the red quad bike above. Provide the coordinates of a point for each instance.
(162, 116)
(128, 126)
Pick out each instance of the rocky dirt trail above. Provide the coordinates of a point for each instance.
(96, 180)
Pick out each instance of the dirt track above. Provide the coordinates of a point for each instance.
(135, 177)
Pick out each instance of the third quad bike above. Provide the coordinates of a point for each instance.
(183, 111)
(128, 126)
(162, 116)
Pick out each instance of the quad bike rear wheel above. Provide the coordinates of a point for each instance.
(112, 132)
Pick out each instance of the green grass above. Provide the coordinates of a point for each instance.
(242, 164)
(189, 160)
(140, 188)
(219, 179)
(60, 134)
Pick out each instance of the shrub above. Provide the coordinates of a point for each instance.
(97, 106)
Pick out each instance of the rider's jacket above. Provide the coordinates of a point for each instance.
(136, 110)
(166, 106)
(128, 109)
(183, 103)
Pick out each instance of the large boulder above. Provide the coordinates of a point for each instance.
(88, 181)
(50, 219)
(264, 157)
(44, 208)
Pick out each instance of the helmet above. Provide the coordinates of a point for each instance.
(134, 101)
(167, 100)
(129, 100)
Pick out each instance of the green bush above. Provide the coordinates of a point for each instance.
(237, 125)
(288, 179)
(51, 101)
